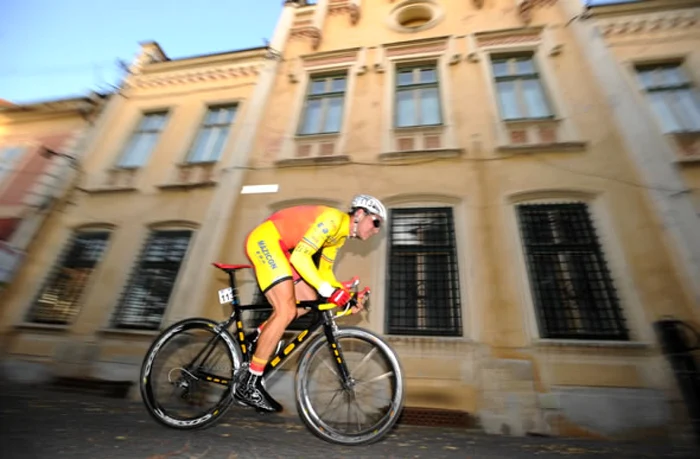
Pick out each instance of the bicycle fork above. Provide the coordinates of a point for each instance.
(330, 329)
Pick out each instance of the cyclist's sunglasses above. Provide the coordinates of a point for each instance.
(377, 222)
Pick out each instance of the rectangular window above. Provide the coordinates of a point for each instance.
(572, 288)
(9, 158)
(148, 292)
(323, 108)
(58, 300)
(423, 294)
(519, 89)
(417, 96)
(213, 134)
(143, 140)
(673, 98)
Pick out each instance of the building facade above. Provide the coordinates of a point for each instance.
(96, 283)
(37, 164)
(526, 256)
(523, 266)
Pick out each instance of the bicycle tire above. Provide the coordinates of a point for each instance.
(214, 413)
(307, 412)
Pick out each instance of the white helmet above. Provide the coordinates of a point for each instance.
(369, 204)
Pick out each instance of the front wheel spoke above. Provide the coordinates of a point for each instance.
(364, 360)
(330, 368)
(375, 379)
(323, 391)
(329, 403)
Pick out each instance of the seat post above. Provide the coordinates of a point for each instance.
(232, 280)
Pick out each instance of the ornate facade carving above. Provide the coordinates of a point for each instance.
(527, 7)
(651, 23)
(195, 76)
(349, 7)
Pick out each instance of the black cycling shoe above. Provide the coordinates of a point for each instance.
(250, 391)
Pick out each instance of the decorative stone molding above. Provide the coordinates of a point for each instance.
(349, 7)
(651, 23)
(525, 8)
(191, 175)
(306, 31)
(508, 37)
(687, 146)
(525, 36)
(218, 73)
(355, 58)
(431, 47)
(452, 51)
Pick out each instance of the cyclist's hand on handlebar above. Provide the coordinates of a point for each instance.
(348, 285)
(340, 297)
(361, 298)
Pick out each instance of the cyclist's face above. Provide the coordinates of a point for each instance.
(368, 226)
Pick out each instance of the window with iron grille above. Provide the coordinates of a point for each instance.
(148, 292)
(58, 301)
(423, 294)
(571, 285)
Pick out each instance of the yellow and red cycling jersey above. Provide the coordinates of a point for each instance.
(305, 230)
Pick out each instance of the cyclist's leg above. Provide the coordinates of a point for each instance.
(304, 292)
(275, 277)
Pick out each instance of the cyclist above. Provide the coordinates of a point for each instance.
(281, 250)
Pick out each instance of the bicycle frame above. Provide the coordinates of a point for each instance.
(326, 320)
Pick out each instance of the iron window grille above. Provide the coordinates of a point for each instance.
(146, 297)
(571, 284)
(423, 293)
(58, 301)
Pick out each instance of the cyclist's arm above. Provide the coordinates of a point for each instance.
(325, 266)
(325, 225)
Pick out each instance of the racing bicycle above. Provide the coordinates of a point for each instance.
(325, 370)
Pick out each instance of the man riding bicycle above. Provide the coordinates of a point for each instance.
(281, 250)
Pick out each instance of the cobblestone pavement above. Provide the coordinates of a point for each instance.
(42, 423)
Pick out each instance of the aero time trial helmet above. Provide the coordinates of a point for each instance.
(369, 204)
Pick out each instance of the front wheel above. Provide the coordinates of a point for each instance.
(197, 365)
(375, 376)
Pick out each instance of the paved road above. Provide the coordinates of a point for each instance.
(53, 424)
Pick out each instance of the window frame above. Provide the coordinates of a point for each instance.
(416, 67)
(328, 76)
(7, 172)
(640, 332)
(136, 130)
(203, 125)
(511, 57)
(455, 311)
(562, 251)
(116, 321)
(689, 84)
(59, 261)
